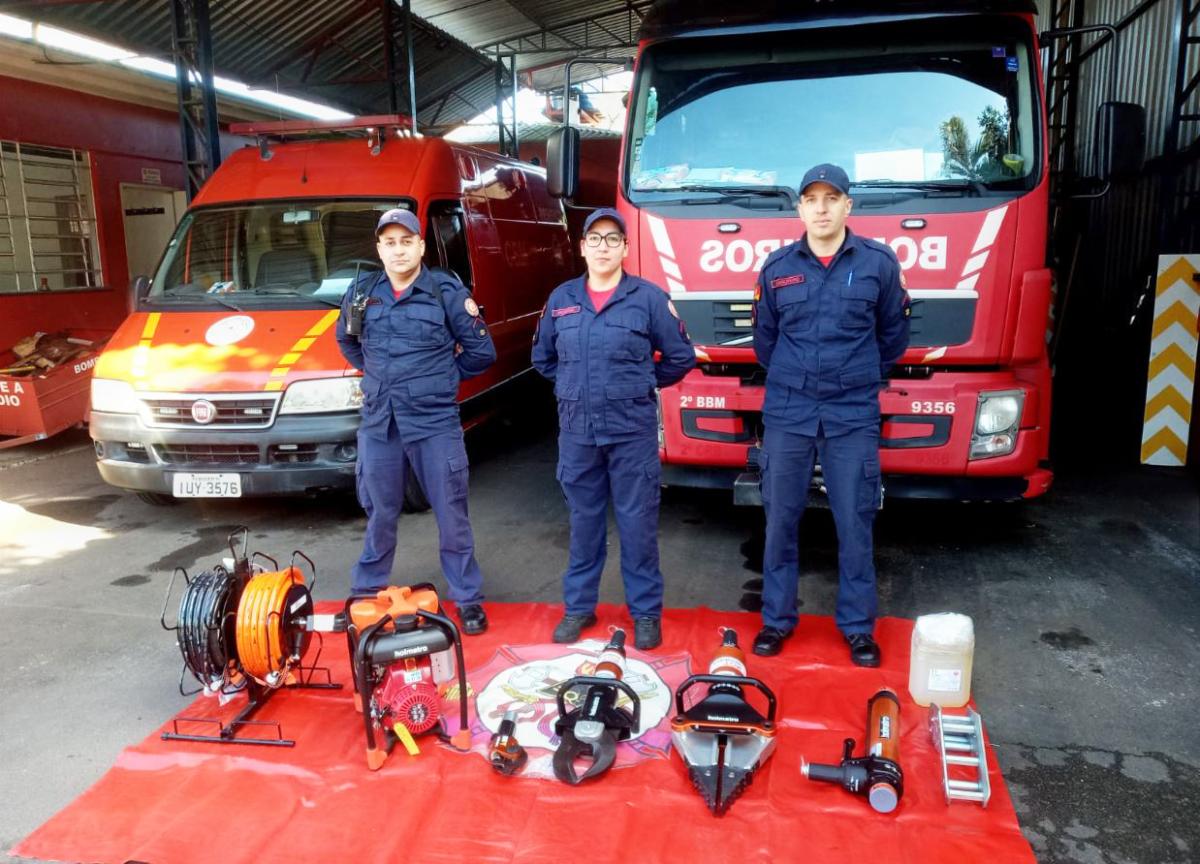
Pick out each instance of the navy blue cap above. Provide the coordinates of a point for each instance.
(826, 173)
(399, 216)
(604, 213)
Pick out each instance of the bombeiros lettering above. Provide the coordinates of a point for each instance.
(740, 256)
(85, 365)
(737, 256)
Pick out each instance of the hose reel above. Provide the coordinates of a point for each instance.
(243, 626)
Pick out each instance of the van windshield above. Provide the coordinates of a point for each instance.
(916, 109)
(275, 254)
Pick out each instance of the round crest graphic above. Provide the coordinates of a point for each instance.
(229, 331)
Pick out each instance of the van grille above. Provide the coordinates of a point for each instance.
(233, 411)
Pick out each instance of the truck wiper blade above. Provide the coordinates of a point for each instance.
(731, 193)
(953, 186)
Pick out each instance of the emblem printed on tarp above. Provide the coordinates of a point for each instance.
(525, 678)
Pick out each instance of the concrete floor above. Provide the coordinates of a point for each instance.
(1085, 605)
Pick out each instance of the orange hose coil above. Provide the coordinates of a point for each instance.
(259, 625)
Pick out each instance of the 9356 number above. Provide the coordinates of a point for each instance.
(919, 407)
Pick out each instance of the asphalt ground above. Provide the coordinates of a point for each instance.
(1085, 605)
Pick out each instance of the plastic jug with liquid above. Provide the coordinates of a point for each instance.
(939, 671)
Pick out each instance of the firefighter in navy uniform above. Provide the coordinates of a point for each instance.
(596, 341)
(418, 334)
(830, 319)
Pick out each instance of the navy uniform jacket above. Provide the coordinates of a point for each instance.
(406, 353)
(602, 363)
(828, 336)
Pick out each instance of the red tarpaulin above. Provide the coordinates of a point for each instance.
(170, 801)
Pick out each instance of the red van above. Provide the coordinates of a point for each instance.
(226, 380)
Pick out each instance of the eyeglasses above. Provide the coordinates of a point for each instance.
(612, 241)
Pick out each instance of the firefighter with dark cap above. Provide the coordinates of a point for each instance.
(414, 334)
(596, 340)
(830, 320)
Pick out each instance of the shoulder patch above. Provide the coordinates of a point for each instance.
(472, 307)
(757, 291)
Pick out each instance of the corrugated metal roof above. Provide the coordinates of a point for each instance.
(486, 133)
(332, 51)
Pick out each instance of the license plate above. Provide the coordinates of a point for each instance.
(207, 485)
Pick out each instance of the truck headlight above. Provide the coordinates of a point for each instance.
(113, 397)
(322, 395)
(997, 422)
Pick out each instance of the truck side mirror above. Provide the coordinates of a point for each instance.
(562, 162)
(1120, 140)
(139, 287)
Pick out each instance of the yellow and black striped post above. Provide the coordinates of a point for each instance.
(1171, 378)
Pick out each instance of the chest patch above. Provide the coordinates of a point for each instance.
(566, 310)
(784, 281)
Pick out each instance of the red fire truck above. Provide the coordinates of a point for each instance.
(936, 111)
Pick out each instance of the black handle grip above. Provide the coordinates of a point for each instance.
(826, 773)
(692, 680)
(592, 681)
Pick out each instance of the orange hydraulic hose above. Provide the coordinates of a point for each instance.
(260, 625)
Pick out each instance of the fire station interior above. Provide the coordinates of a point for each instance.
(160, 160)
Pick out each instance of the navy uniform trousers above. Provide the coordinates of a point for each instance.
(440, 463)
(630, 472)
(850, 463)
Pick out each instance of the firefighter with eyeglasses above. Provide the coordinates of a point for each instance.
(596, 340)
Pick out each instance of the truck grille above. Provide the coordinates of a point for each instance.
(208, 454)
(231, 411)
(723, 321)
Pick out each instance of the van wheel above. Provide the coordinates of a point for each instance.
(414, 496)
(158, 499)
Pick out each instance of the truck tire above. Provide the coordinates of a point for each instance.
(414, 496)
(158, 499)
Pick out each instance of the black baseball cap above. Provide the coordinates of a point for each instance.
(604, 213)
(826, 173)
(406, 219)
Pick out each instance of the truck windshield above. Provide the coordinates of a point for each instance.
(909, 109)
(290, 254)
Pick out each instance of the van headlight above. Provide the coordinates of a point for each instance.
(997, 422)
(322, 395)
(114, 397)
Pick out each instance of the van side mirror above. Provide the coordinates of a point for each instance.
(139, 287)
(562, 162)
(1120, 140)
